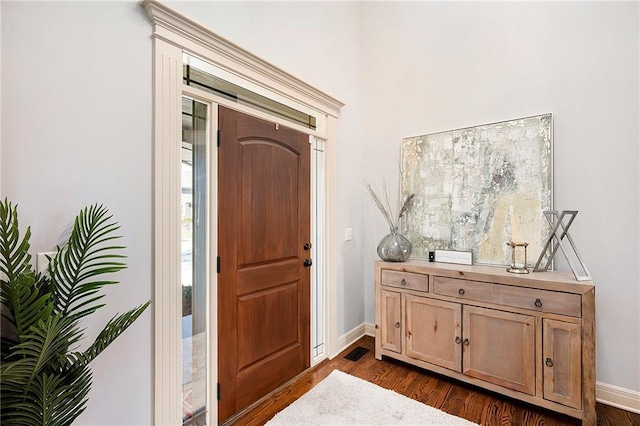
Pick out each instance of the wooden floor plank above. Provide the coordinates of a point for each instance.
(462, 400)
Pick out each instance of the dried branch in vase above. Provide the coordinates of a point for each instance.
(384, 205)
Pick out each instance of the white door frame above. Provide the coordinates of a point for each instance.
(174, 34)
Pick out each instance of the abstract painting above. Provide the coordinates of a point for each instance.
(479, 188)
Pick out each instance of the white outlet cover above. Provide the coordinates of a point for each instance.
(42, 262)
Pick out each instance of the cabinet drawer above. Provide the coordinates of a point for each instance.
(519, 297)
(408, 280)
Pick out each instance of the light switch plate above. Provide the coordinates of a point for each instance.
(348, 234)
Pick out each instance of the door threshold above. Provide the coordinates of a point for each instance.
(231, 420)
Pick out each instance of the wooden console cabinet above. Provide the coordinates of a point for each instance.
(530, 337)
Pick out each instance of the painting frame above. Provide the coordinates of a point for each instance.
(479, 187)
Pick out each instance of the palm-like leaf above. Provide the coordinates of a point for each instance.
(14, 252)
(53, 399)
(41, 350)
(26, 301)
(41, 382)
(23, 302)
(39, 354)
(86, 256)
(114, 328)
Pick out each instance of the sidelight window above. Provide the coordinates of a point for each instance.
(193, 261)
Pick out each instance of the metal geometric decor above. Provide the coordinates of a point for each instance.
(560, 231)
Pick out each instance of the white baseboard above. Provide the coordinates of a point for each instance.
(369, 329)
(618, 397)
(350, 337)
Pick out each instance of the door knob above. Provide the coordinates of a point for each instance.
(308, 263)
(307, 246)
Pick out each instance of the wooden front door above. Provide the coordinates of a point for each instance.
(263, 242)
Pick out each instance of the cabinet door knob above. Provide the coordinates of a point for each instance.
(539, 303)
(397, 325)
(461, 291)
(549, 362)
(403, 282)
(465, 342)
(458, 340)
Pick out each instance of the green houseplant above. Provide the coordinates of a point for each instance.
(44, 378)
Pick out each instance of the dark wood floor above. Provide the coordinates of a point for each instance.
(474, 404)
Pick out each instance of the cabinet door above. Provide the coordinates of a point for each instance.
(562, 362)
(391, 330)
(433, 331)
(499, 347)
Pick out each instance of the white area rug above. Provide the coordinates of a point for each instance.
(341, 399)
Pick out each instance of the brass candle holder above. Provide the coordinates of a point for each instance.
(518, 267)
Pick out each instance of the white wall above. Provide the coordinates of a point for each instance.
(1, 194)
(76, 109)
(432, 66)
(77, 106)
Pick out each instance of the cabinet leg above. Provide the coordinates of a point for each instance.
(378, 353)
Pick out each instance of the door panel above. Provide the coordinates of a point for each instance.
(432, 328)
(264, 222)
(391, 315)
(499, 347)
(259, 379)
(270, 225)
(258, 338)
(562, 362)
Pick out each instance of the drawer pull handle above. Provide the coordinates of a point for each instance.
(403, 282)
(549, 362)
(397, 325)
(465, 342)
(461, 291)
(539, 303)
(458, 340)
